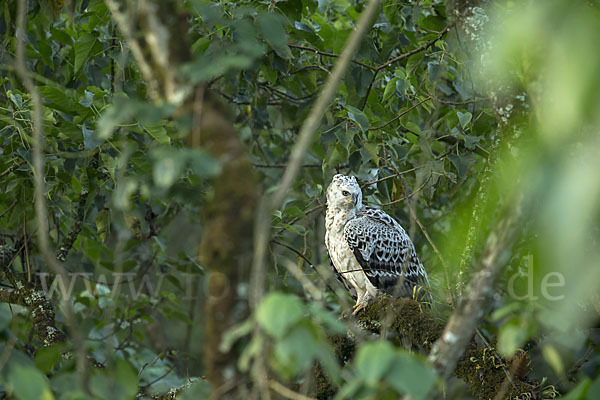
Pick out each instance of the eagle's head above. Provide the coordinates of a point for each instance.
(344, 193)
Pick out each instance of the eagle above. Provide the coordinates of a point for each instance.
(370, 251)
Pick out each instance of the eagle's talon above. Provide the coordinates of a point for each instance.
(357, 307)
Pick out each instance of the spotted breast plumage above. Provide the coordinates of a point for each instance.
(370, 250)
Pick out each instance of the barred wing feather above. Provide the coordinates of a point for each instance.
(386, 254)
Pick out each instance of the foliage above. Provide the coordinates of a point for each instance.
(417, 118)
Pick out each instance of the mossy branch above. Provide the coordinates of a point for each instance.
(479, 367)
(69, 241)
(42, 312)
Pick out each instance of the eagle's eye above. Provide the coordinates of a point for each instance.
(345, 193)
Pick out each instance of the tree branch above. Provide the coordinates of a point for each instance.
(479, 367)
(461, 326)
(42, 312)
(326, 54)
(403, 113)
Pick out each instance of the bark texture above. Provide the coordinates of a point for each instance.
(227, 241)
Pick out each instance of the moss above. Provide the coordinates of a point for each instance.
(409, 318)
(480, 367)
(323, 388)
(343, 347)
(483, 370)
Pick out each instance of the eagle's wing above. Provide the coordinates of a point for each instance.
(386, 254)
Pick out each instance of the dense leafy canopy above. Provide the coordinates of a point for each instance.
(449, 115)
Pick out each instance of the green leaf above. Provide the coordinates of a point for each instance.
(204, 164)
(200, 45)
(271, 27)
(359, 117)
(90, 138)
(390, 89)
(58, 99)
(123, 192)
(294, 212)
(434, 70)
(594, 391)
(553, 358)
(83, 47)
(411, 376)
(27, 383)
(295, 352)
(462, 163)
(121, 110)
(17, 100)
(579, 392)
(5, 316)
(326, 319)
(47, 357)
(159, 133)
(413, 127)
(278, 312)
(373, 361)
(373, 150)
(470, 140)
(413, 62)
(464, 118)
(167, 169)
(126, 379)
(511, 337)
(338, 155)
(345, 136)
(196, 390)
(103, 224)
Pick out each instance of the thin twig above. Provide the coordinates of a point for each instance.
(25, 244)
(12, 168)
(158, 379)
(147, 364)
(397, 117)
(406, 197)
(3, 213)
(414, 51)
(309, 68)
(455, 103)
(385, 178)
(307, 285)
(285, 165)
(398, 58)
(326, 54)
(299, 254)
(75, 229)
(196, 116)
(577, 366)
